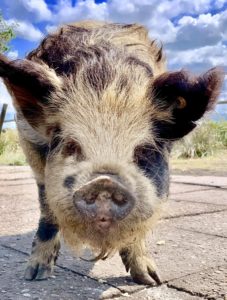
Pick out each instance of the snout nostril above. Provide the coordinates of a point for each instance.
(90, 198)
(119, 199)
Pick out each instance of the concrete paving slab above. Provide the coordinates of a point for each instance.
(201, 283)
(63, 285)
(220, 181)
(15, 204)
(214, 196)
(10, 183)
(176, 209)
(160, 293)
(14, 169)
(180, 188)
(21, 214)
(211, 223)
(16, 175)
(19, 190)
(20, 225)
(178, 250)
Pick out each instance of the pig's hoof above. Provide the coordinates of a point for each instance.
(37, 271)
(143, 271)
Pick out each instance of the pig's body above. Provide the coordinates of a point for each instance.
(97, 115)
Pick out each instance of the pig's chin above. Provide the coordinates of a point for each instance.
(105, 242)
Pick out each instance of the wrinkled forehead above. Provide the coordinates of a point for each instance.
(117, 122)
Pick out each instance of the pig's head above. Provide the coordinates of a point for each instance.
(109, 123)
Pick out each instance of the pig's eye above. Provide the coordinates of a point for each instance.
(143, 155)
(72, 148)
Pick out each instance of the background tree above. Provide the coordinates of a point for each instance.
(6, 34)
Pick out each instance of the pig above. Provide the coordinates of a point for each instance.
(97, 115)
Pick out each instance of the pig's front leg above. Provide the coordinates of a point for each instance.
(46, 243)
(142, 268)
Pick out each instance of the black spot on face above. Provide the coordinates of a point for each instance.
(69, 182)
(155, 166)
(56, 140)
(42, 150)
(134, 61)
(42, 196)
(46, 231)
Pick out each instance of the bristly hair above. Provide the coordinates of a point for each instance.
(72, 42)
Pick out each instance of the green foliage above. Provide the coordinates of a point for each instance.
(10, 150)
(204, 141)
(6, 34)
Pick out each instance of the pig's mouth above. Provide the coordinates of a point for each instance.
(104, 224)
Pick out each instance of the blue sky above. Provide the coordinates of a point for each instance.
(194, 33)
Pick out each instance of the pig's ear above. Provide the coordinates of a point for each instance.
(186, 98)
(30, 84)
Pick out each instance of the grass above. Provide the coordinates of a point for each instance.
(207, 165)
(10, 150)
(206, 140)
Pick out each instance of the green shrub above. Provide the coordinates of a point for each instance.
(10, 150)
(205, 140)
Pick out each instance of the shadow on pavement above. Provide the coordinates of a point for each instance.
(71, 278)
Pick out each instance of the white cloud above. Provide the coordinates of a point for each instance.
(197, 32)
(5, 97)
(219, 3)
(88, 9)
(51, 28)
(26, 30)
(29, 10)
(13, 54)
(198, 59)
(156, 15)
(223, 95)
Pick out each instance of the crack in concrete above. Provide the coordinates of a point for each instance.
(200, 232)
(22, 211)
(201, 184)
(16, 184)
(195, 214)
(202, 296)
(193, 191)
(199, 202)
(16, 179)
(195, 272)
(180, 289)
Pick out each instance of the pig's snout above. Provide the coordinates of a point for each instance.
(104, 200)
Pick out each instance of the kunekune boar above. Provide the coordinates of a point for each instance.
(97, 113)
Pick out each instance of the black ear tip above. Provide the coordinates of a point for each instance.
(213, 80)
(215, 76)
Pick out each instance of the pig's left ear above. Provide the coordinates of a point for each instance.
(186, 98)
(30, 84)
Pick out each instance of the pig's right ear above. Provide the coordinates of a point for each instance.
(181, 99)
(30, 84)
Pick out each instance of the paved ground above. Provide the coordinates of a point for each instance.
(189, 246)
